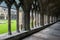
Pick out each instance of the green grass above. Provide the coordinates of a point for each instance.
(31, 23)
(4, 27)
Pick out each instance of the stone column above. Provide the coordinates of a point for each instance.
(41, 13)
(48, 13)
(26, 19)
(37, 18)
(9, 20)
(48, 19)
(42, 19)
(52, 19)
(32, 19)
(56, 18)
(17, 19)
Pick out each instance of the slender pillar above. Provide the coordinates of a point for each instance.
(35, 17)
(17, 19)
(9, 20)
(26, 19)
(48, 19)
(41, 14)
(32, 19)
(38, 18)
(48, 12)
(56, 18)
(52, 19)
(41, 19)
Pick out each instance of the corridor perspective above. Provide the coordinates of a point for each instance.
(29, 19)
(50, 33)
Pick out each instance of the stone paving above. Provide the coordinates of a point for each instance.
(50, 33)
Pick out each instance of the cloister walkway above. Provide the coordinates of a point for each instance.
(50, 33)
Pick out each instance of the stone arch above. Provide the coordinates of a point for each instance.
(21, 18)
(13, 17)
(19, 9)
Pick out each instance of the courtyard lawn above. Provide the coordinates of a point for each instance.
(4, 26)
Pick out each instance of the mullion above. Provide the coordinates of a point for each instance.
(35, 12)
(32, 15)
(17, 20)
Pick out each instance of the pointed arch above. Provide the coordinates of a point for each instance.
(13, 18)
(3, 18)
(35, 14)
(21, 18)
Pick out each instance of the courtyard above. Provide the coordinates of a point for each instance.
(4, 26)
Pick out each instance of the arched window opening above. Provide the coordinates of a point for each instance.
(32, 18)
(13, 18)
(53, 19)
(45, 19)
(34, 15)
(50, 19)
(3, 18)
(38, 17)
(21, 19)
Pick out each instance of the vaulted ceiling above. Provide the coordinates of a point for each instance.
(55, 6)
